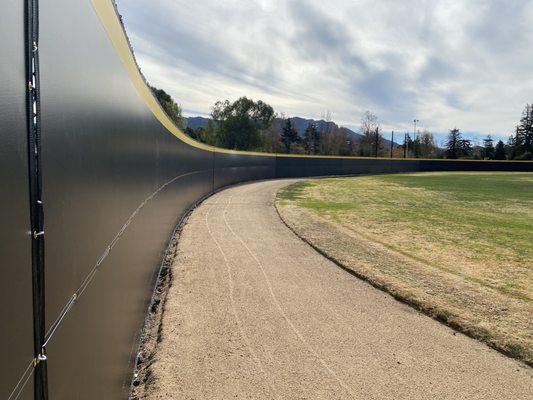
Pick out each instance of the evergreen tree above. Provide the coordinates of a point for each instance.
(312, 139)
(407, 144)
(522, 142)
(525, 131)
(518, 143)
(465, 148)
(499, 152)
(417, 148)
(378, 142)
(488, 148)
(453, 144)
(289, 135)
(512, 145)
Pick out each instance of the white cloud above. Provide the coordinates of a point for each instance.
(446, 62)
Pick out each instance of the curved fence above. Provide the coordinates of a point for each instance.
(116, 175)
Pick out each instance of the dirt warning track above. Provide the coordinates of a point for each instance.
(255, 313)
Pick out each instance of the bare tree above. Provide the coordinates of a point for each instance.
(325, 127)
(372, 142)
(369, 122)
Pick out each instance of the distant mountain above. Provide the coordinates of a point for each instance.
(299, 123)
(197, 122)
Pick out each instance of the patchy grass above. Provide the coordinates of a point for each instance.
(457, 245)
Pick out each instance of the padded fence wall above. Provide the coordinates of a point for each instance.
(290, 167)
(16, 326)
(115, 183)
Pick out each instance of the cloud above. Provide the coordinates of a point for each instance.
(445, 62)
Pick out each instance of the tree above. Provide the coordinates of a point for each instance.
(191, 132)
(289, 135)
(407, 144)
(311, 139)
(465, 148)
(372, 142)
(499, 152)
(512, 145)
(337, 141)
(526, 128)
(524, 134)
(488, 148)
(271, 138)
(239, 123)
(453, 143)
(521, 144)
(345, 142)
(417, 151)
(378, 142)
(208, 134)
(427, 145)
(172, 109)
(325, 129)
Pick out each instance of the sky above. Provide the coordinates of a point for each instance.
(448, 63)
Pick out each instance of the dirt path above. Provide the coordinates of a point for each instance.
(254, 313)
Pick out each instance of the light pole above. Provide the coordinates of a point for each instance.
(376, 143)
(391, 143)
(415, 121)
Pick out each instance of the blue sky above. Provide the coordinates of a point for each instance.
(447, 63)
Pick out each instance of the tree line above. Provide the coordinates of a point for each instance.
(251, 125)
(518, 147)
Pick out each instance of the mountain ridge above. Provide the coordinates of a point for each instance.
(300, 124)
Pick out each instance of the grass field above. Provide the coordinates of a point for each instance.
(458, 246)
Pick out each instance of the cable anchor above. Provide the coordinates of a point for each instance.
(39, 358)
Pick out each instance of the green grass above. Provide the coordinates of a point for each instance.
(477, 225)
